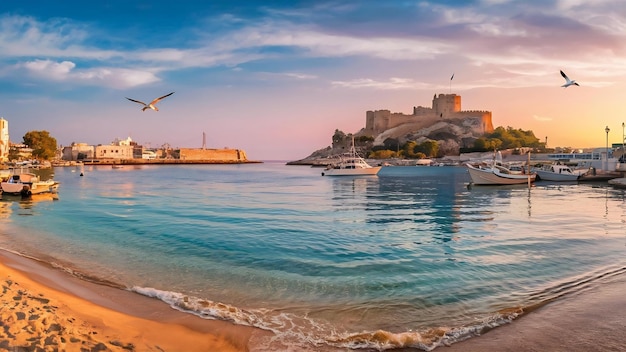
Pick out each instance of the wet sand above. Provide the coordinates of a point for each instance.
(44, 309)
(593, 320)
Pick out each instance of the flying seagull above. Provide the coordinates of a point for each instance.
(152, 103)
(568, 82)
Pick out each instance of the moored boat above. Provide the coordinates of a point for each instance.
(351, 164)
(27, 183)
(497, 175)
(495, 172)
(558, 172)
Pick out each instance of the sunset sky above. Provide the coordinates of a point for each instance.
(276, 78)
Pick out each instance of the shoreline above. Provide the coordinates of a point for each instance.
(590, 320)
(46, 308)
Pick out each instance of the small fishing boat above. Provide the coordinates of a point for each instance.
(495, 172)
(558, 172)
(25, 183)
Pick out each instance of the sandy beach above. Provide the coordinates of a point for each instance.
(46, 310)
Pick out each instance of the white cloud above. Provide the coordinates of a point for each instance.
(392, 83)
(496, 29)
(318, 44)
(50, 69)
(300, 75)
(542, 118)
(117, 77)
(66, 71)
(22, 36)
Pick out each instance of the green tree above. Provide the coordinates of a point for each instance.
(480, 144)
(409, 149)
(429, 148)
(495, 143)
(43, 145)
(511, 138)
(420, 155)
(382, 154)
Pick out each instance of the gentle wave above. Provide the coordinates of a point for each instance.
(306, 333)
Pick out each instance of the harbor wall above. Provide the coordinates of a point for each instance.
(213, 154)
(187, 156)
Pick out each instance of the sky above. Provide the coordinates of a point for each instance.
(277, 78)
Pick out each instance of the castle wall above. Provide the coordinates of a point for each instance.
(381, 120)
(213, 154)
(485, 116)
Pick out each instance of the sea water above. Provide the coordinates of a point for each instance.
(412, 257)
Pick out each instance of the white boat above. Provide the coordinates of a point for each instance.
(558, 172)
(27, 183)
(497, 175)
(495, 172)
(350, 164)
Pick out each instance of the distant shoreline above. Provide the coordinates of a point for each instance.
(155, 162)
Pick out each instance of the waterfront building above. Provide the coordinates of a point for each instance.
(4, 140)
(78, 151)
(120, 149)
(598, 158)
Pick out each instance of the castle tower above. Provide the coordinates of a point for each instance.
(445, 105)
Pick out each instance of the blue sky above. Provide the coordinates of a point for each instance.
(276, 78)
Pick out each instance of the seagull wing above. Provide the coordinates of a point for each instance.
(159, 98)
(137, 101)
(565, 76)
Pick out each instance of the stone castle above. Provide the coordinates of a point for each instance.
(445, 107)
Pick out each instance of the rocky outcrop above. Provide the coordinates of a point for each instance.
(445, 123)
(451, 135)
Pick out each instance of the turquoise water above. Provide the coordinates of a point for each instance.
(409, 258)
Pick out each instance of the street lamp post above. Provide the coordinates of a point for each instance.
(607, 130)
(623, 151)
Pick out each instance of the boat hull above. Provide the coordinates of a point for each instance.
(494, 177)
(552, 176)
(35, 188)
(371, 171)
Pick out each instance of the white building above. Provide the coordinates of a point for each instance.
(114, 152)
(4, 139)
(119, 149)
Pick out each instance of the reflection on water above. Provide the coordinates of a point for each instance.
(11, 203)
